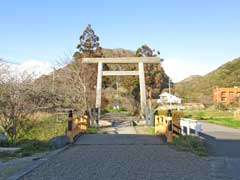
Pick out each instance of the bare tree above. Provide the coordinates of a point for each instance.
(16, 106)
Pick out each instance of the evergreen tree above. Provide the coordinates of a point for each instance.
(89, 46)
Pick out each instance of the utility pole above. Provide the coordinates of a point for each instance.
(53, 80)
(169, 91)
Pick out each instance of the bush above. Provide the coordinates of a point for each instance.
(176, 116)
(190, 143)
(162, 112)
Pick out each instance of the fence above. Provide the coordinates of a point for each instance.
(190, 124)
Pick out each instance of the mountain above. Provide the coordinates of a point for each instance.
(66, 85)
(199, 88)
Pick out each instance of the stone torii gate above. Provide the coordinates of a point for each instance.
(122, 60)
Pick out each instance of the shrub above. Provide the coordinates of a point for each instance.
(176, 116)
(6, 143)
(162, 112)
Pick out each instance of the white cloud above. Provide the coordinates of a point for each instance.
(33, 67)
(180, 69)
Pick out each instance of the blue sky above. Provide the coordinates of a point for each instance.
(193, 37)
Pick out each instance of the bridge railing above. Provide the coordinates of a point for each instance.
(170, 126)
(77, 125)
(164, 126)
(190, 124)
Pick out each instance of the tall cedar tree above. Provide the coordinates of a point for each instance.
(88, 46)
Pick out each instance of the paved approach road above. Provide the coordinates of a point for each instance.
(121, 154)
(122, 157)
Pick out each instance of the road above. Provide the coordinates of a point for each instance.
(122, 157)
(223, 143)
(121, 154)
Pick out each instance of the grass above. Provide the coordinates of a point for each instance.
(28, 148)
(216, 117)
(191, 144)
(92, 130)
(36, 140)
(151, 130)
(225, 121)
(47, 128)
(148, 130)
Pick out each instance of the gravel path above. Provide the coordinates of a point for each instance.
(121, 154)
(99, 160)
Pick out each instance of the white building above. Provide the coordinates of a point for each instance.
(168, 98)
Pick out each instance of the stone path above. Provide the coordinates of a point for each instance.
(128, 157)
(121, 154)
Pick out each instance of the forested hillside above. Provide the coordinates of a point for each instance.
(65, 87)
(199, 88)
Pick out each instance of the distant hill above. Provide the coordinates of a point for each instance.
(199, 88)
(118, 52)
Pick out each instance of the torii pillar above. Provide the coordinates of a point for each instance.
(142, 88)
(99, 88)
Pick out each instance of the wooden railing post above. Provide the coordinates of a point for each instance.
(70, 126)
(97, 116)
(169, 133)
(70, 119)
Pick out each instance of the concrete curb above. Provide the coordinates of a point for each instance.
(37, 163)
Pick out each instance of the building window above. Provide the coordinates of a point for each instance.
(231, 97)
(223, 94)
(224, 99)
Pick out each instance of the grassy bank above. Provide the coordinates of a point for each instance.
(216, 117)
(48, 127)
(36, 140)
(191, 144)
